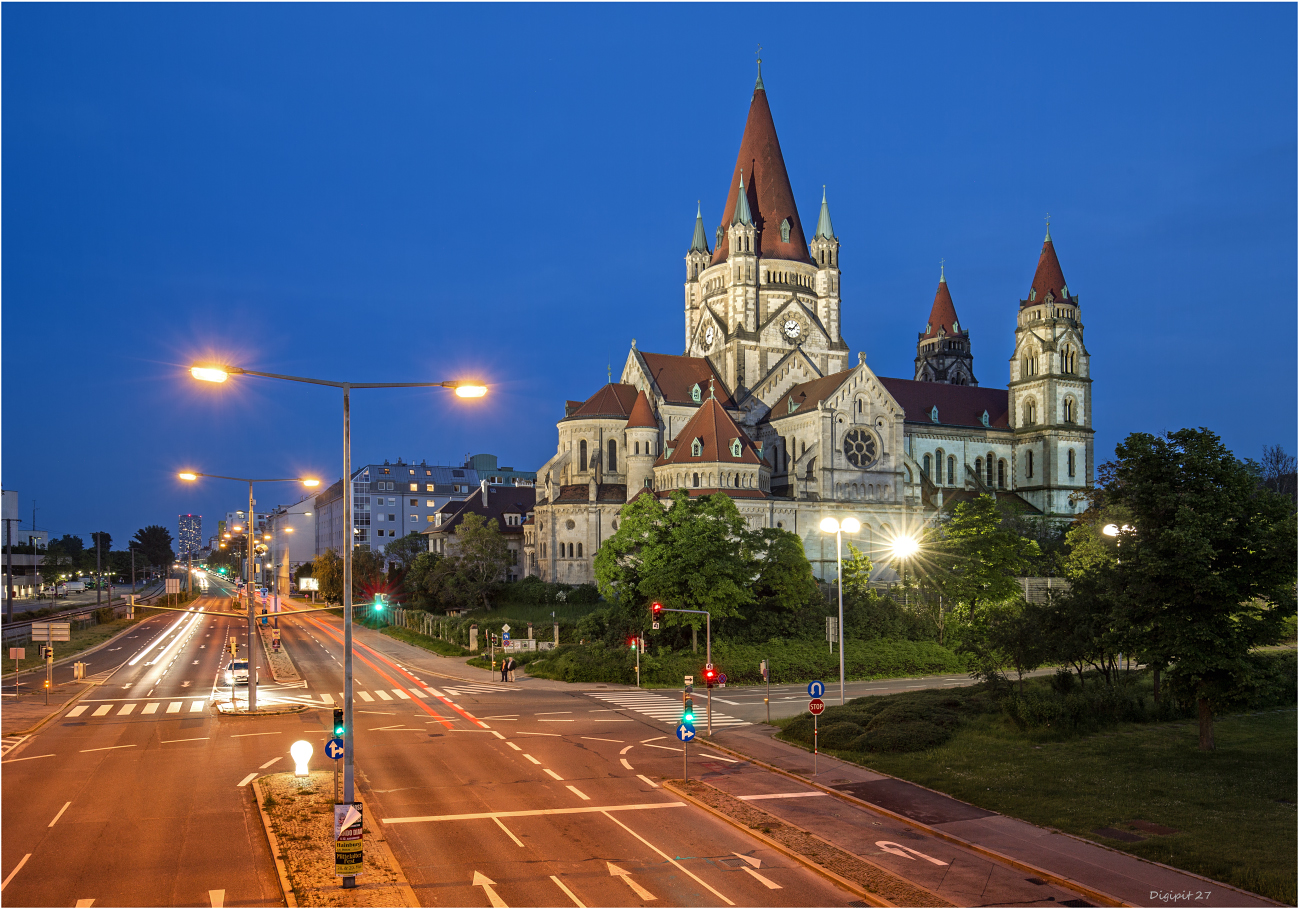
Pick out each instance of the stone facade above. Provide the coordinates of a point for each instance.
(768, 405)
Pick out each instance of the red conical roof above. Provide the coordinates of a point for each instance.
(942, 314)
(643, 415)
(1048, 277)
(767, 188)
(715, 429)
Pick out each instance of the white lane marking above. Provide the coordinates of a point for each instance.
(196, 707)
(627, 749)
(655, 739)
(578, 792)
(552, 774)
(383, 695)
(32, 758)
(668, 858)
(150, 708)
(60, 814)
(593, 739)
(246, 780)
(77, 711)
(770, 885)
(17, 868)
(100, 711)
(560, 721)
(538, 812)
(482, 880)
(174, 741)
(109, 748)
(718, 757)
(640, 891)
(268, 763)
(554, 735)
(174, 707)
(85, 904)
(498, 735)
(625, 764)
(508, 833)
(533, 759)
(244, 735)
(569, 893)
(779, 795)
(217, 898)
(553, 713)
(419, 693)
(514, 746)
(645, 779)
(401, 694)
(434, 691)
(749, 859)
(664, 747)
(622, 719)
(895, 849)
(327, 698)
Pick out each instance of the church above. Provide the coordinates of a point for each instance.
(769, 405)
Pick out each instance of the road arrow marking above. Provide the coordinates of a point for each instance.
(217, 898)
(766, 883)
(482, 880)
(757, 863)
(895, 849)
(640, 891)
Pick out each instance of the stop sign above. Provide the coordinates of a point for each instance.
(816, 706)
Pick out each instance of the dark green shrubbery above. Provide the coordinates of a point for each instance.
(895, 723)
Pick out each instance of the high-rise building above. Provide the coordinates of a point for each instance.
(190, 537)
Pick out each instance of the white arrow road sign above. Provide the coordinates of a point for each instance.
(757, 863)
(640, 891)
(895, 849)
(482, 880)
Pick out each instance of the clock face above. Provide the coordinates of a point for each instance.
(708, 335)
(791, 329)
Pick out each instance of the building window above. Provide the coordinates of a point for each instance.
(579, 550)
(735, 448)
(414, 502)
(1029, 463)
(1031, 412)
(696, 396)
(415, 518)
(429, 503)
(925, 465)
(1069, 410)
(1069, 460)
(696, 479)
(385, 470)
(934, 414)
(570, 550)
(988, 469)
(428, 473)
(785, 231)
(979, 467)
(612, 461)
(697, 449)
(582, 455)
(428, 487)
(431, 517)
(952, 470)
(392, 518)
(1002, 474)
(412, 471)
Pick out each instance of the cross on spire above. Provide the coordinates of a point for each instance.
(941, 261)
(1048, 218)
(710, 388)
(759, 83)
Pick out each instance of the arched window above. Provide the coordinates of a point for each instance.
(785, 231)
(925, 465)
(938, 466)
(988, 469)
(612, 461)
(579, 550)
(697, 448)
(1002, 474)
(1031, 413)
(1029, 463)
(695, 479)
(570, 550)
(952, 470)
(1069, 460)
(582, 455)
(543, 550)
(1068, 410)
(979, 467)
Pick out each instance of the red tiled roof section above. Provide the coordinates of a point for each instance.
(578, 492)
(1048, 277)
(771, 200)
(942, 314)
(502, 500)
(613, 400)
(807, 394)
(643, 415)
(676, 375)
(715, 429)
(959, 405)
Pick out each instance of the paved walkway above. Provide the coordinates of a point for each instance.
(1124, 878)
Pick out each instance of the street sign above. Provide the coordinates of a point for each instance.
(51, 631)
(347, 840)
(816, 706)
(762, 667)
(173, 585)
(722, 679)
(686, 732)
(334, 749)
(654, 626)
(505, 628)
(708, 665)
(17, 653)
(816, 689)
(689, 680)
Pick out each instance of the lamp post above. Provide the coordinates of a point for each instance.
(903, 548)
(462, 390)
(851, 526)
(191, 476)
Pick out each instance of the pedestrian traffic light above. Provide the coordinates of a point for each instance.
(710, 676)
(631, 642)
(339, 728)
(379, 602)
(656, 611)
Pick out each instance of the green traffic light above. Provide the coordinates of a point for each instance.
(688, 718)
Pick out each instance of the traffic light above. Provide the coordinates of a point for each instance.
(379, 602)
(656, 611)
(339, 728)
(710, 676)
(631, 642)
(688, 704)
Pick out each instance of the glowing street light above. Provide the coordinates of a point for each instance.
(849, 526)
(1114, 530)
(463, 389)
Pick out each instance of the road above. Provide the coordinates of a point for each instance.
(488, 794)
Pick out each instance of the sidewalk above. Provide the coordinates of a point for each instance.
(24, 714)
(1106, 875)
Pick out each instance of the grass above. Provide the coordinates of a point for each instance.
(1234, 808)
(82, 639)
(435, 645)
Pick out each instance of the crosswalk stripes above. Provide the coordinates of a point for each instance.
(10, 742)
(475, 688)
(664, 709)
(128, 709)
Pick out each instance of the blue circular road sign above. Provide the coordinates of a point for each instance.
(686, 732)
(334, 749)
(816, 689)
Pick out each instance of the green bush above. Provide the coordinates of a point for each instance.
(896, 723)
(839, 735)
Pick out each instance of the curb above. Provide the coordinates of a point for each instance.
(381, 842)
(270, 664)
(281, 871)
(1058, 879)
(85, 689)
(867, 896)
(278, 711)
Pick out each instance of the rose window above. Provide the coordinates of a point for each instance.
(860, 447)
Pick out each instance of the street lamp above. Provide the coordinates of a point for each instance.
(849, 526)
(1114, 530)
(252, 619)
(462, 389)
(902, 548)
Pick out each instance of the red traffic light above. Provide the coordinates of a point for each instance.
(710, 676)
(656, 609)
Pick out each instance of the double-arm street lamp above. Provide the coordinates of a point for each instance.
(252, 619)
(462, 390)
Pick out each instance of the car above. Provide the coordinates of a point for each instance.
(237, 672)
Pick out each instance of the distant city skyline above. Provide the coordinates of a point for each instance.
(425, 193)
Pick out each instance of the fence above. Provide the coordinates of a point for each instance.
(21, 632)
(1037, 590)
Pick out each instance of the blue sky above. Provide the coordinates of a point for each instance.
(411, 192)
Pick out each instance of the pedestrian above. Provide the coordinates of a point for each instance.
(504, 668)
(510, 666)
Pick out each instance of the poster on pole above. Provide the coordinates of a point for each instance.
(347, 840)
(308, 584)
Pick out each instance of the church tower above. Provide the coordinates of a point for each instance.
(764, 291)
(1049, 396)
(697, 259)
(943, 349)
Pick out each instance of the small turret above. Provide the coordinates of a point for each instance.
(640, 444)
(943, 352)
(825, 250)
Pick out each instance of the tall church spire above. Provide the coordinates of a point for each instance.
(1048, 278)
(699, 243)
(769, 197)
(943, 351)
(824, 228)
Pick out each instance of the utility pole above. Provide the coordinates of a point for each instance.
(9, 569)
(99, 570)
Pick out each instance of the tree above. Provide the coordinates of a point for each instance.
(1210, 567)
(976, 560)
(327, 569)
(104, 540)
(1278, 472)
(56, 562)
(155, 543)
(368, 576)
(405, 550)
(480, 558)
(73, 546)
(785, 580)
